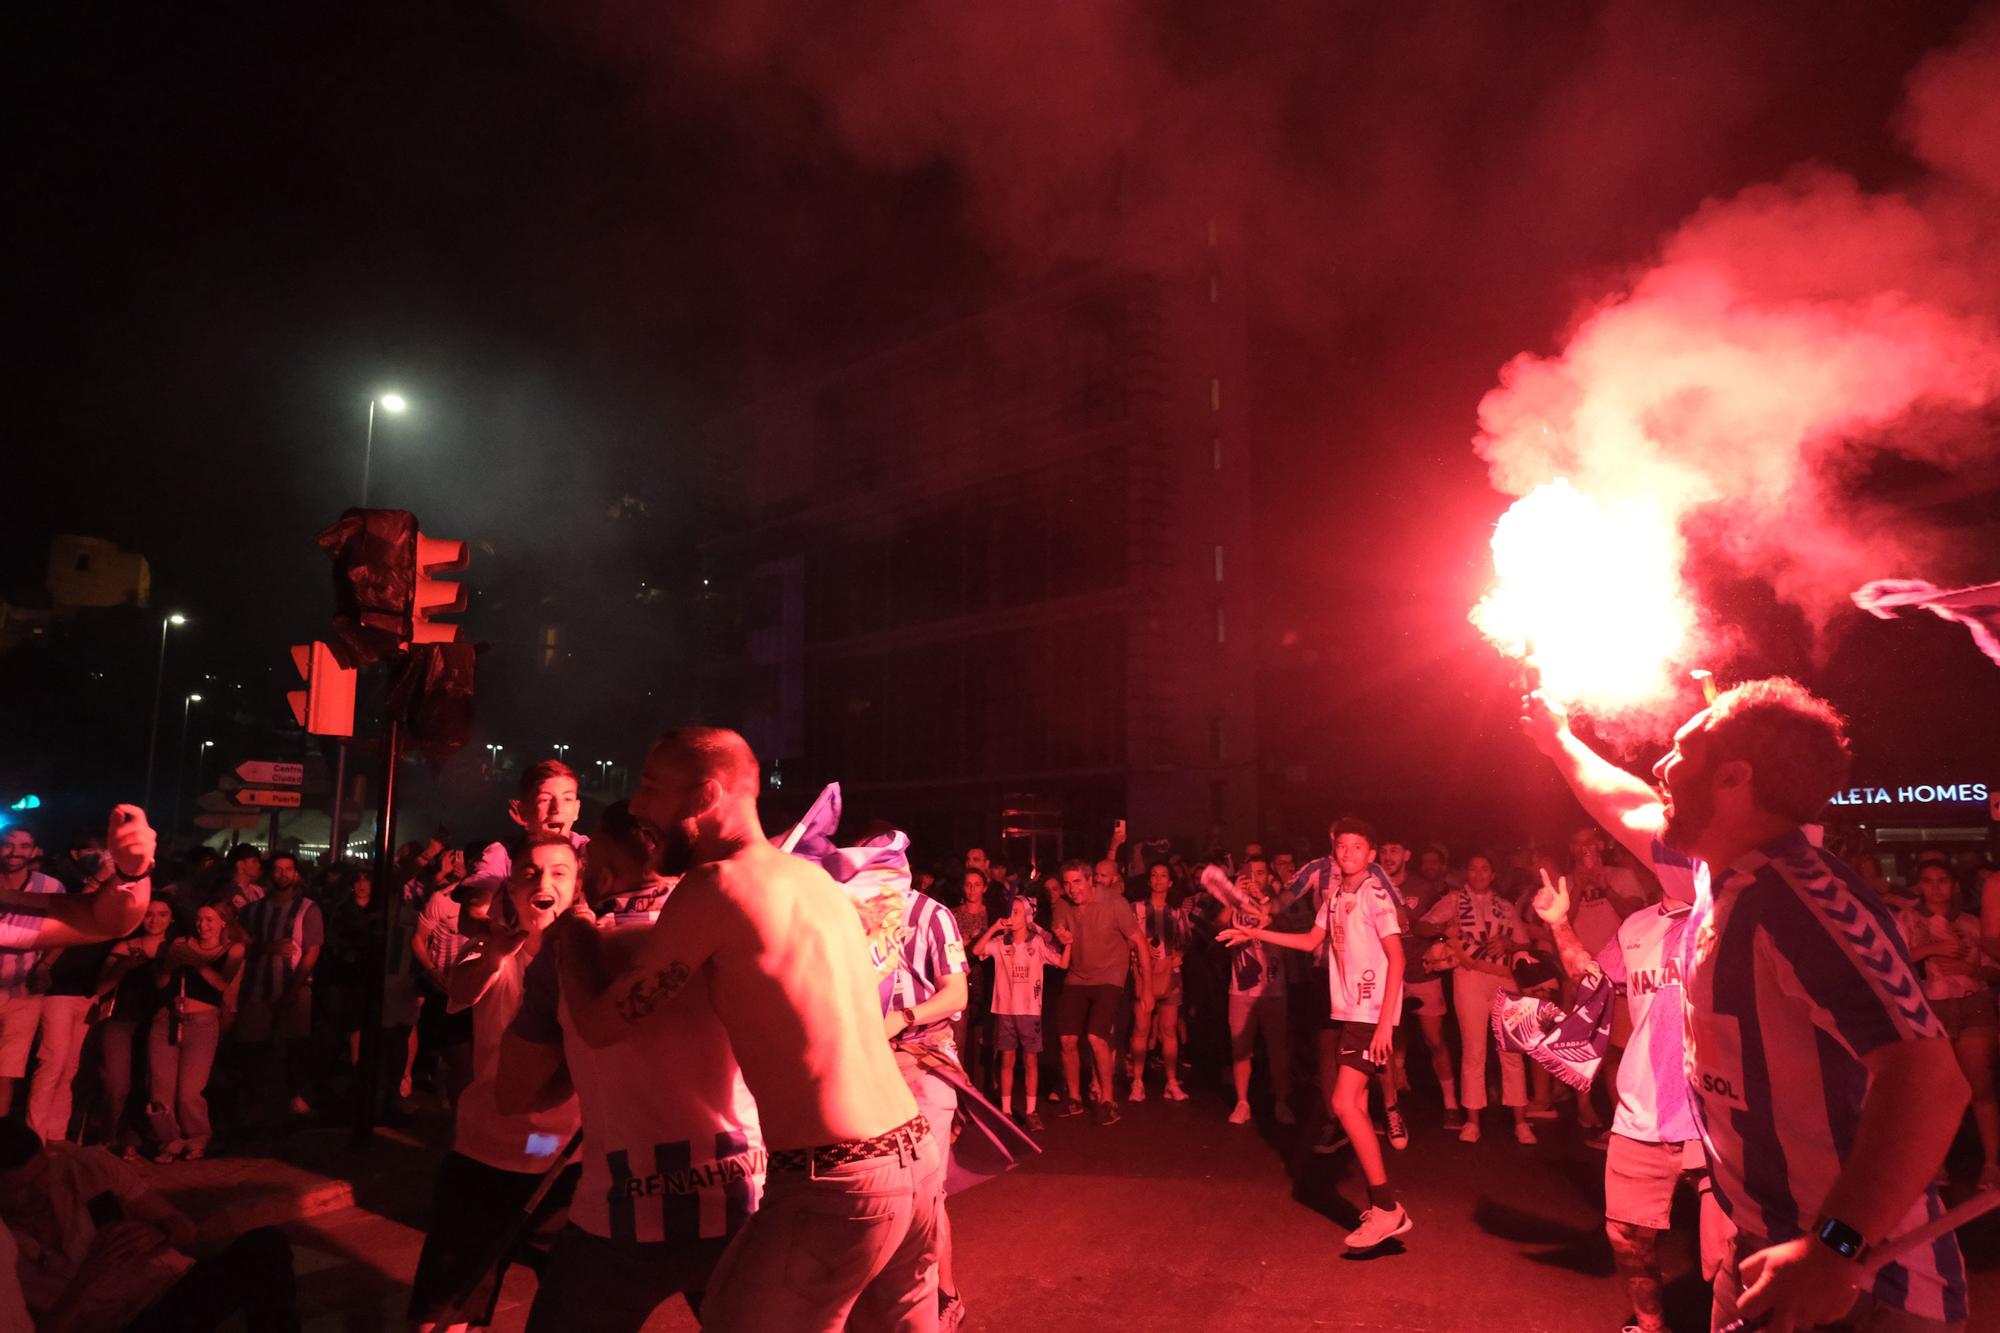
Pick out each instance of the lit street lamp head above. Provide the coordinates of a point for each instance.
(194, 698)
(393, 402)
(177, 619)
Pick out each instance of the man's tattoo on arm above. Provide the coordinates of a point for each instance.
(644, 996)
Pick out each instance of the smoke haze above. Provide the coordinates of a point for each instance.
(1792, 343)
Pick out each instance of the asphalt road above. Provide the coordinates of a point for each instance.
(1174, 1219)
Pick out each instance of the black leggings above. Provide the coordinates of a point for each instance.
(253, 1277)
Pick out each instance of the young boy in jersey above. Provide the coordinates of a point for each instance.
(1363, 935)
(1020, 951)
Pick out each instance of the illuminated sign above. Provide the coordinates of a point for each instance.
(1918, 793)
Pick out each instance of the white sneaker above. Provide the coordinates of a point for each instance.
(1470, 1134)
(1525, 1133)
(1241, 1115)
(1175, 1092)
(1138, 1092)
(1282, 1113)
(1378, 1225)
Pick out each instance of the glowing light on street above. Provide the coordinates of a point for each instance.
(393, 402)
(1590, 595)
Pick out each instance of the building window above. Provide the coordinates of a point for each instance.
(1214, 290)
(1218, 564)
(1215, 395)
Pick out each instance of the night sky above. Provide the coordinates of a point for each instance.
(572, 234)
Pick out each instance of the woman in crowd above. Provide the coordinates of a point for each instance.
(1483, 932)
(1957, 980)
(1163, 922)
(126, 999)
(193, 973)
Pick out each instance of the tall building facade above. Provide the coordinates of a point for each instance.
(998, 577)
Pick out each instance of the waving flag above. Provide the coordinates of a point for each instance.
(876, 875)
(1977, 608)
(1569, 1043)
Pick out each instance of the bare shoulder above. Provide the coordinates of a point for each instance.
(759, 878)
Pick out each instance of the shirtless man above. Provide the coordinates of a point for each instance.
(855, 1173)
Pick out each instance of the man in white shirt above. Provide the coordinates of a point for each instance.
(1360, 927)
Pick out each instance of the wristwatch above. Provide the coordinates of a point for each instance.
(1841, 1238)
(909, 1016)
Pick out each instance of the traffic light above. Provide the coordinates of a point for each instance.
(325, 707)
(384, 586)
(434, 596)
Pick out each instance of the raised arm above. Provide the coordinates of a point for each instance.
(58, 920)
(1627, 808)
(1552, 906)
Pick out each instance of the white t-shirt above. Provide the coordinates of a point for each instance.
(1644, 961)
(1357, 921)
(1017, 973)
(672, 1150)
(525, 1143)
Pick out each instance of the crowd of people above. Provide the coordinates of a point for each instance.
(829, 1064)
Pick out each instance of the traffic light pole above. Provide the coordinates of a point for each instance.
(368, 1078)
(336, 842)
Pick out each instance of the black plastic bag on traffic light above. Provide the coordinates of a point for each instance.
(374, 580)
(433, 697)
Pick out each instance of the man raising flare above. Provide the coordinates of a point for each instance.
(1359, 925)
(1823, 1085)
(847, 1233)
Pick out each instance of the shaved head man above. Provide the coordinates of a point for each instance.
(779, 949)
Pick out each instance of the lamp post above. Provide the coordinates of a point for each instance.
(201, 761)
(167, 622)
(562, 752)
(173, 820)
(393, 404)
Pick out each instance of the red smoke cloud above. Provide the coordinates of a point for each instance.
(1788, 339)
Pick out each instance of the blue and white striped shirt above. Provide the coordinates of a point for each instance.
(1794, 973)
(15, 964)
(931, 951)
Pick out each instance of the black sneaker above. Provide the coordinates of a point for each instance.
(1106, 1113)
(1454, 1117)
(1330, 1139)
(1399, 1132)
(1071, 1106)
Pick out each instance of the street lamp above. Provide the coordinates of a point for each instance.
(493, 756)
(173, 820)
(562, 751)
(395, 405)
(167, 622)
